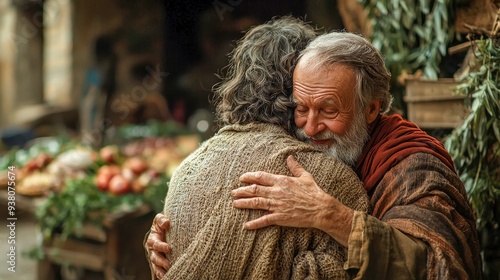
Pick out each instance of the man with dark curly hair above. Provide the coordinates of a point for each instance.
(254, 111)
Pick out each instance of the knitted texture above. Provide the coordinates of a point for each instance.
(206, 231)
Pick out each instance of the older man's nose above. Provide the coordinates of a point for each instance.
(313, 126)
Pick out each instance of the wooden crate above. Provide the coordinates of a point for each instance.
(112, 252)
(433, 104)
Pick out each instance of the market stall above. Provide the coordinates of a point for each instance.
(93, 206)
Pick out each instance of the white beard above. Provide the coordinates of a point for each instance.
(346, 148)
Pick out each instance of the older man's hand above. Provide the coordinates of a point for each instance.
(295, 201)
(291, 201)
(157, 248)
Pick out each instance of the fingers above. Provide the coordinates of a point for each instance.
(265, 221)
(159, 260)
(251, 191)
(256, 197)
(157, 247)
(156, 238)
(157, 250)
(159, 272)
(268, 179)
(162, 247)
(161, 221)
(155, 244)
(257, 203)
(156, 241)
(152, 238)
(260, 178)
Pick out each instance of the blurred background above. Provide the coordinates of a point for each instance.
(115, 80)
(99, 64)
(57, 53)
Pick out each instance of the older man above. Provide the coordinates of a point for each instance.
(255, 110)
(422, 225)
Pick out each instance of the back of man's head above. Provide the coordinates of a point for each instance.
(258, 85)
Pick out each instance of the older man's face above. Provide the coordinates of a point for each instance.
(327, 114)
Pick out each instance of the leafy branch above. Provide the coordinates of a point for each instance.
(475, 144)
(412, 35)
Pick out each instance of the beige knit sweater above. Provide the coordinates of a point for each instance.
(206, 232)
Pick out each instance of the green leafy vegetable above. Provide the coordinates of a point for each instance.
(81, 202)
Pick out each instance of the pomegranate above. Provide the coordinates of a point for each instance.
(104, 176)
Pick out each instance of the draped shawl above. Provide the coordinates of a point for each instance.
(413, 186)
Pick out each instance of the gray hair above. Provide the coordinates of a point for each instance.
(258, 84)
(356, 52)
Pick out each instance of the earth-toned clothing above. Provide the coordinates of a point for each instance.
(206, 231)
(413, 189)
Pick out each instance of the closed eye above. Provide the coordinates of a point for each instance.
(330, 111)
(301, 109)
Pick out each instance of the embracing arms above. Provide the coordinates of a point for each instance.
(374, 248)
(380, 243)
(305, 205)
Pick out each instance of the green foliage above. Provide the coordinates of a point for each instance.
(412, 35)
(81, 202)
(475, 144)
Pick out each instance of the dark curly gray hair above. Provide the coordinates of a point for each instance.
(258, 84)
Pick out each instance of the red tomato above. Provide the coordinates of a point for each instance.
(119, 185)
(102, 181)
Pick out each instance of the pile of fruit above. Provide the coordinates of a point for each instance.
(47, 166)
(81, 185)
(132, 175)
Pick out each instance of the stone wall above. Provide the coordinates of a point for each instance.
(47, 49)
(20, 60)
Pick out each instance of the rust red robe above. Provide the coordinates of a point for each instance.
(413, 187)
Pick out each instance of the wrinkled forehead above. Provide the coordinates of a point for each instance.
(316, 81)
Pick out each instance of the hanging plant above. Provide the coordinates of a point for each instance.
(475, 144)
(412, 35)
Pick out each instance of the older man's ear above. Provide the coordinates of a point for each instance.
(373, 110)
